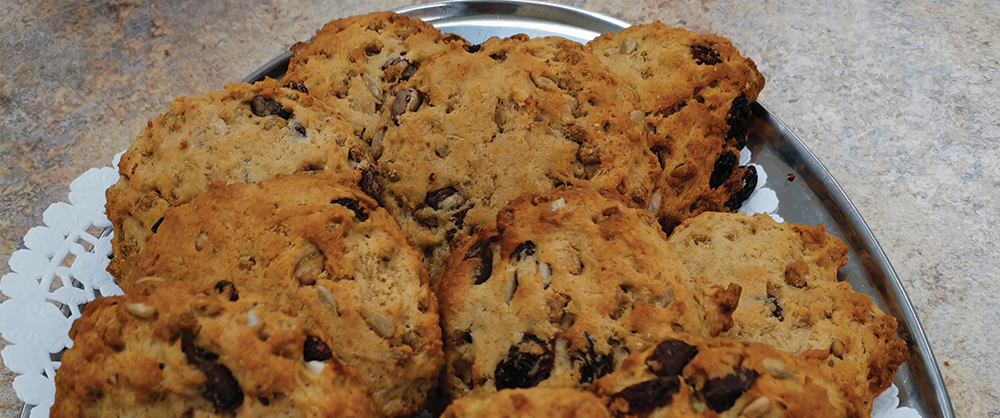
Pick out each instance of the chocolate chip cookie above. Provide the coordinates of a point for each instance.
(323, 248)
(791, 296)
(168, 349)
(475, 127)
(688, 377)
(695, 93)
(245, 133)
(559, 290)
(530, 403)
(357, 64)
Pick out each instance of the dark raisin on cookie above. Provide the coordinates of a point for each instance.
(156, 226)
(669, 357)
(593, 366)
(749, 184)
(523, 368)
(643, 398)
(720, 394)
(705, 55)
(481, 250)
(354, 206)
(224, 287)
(775, 308)
(472, 49)
(723, 169)
(524, 250)
(220, 387)
(268, 107)
(739, 120)
(315, 349)
(436, 198)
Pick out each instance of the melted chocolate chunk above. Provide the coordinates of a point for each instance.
(226, 286)
(268, 107)
(723, 169)
(354, 206)
(721, 394)
(315, 349)
(220, 388)
(523, 369)
(593, 366)
(643, 398)
(669, 358)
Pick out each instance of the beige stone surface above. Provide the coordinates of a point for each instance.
(898, 99)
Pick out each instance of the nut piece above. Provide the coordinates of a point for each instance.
(148, 279)
(628, 46)
(315, 367)
(140, 310)
(382, 325)
(776, 368)
(838, 349)
(309, 268)
(756, 408)
(408, 100)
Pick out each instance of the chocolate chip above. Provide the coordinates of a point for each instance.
(776, 310)
(434, 199)
(298, 86)
(526, 249)
(156, 226)
(268, 107)
(354, 206)
(749, 182)
(225, 286)
(705, 55)
(739, 120)
(723, 168)
(481, 250)
(593, 366)
(369, 182)
(408, 100)
(669, 357)
(643, 398)
(220, 387)
(521, 368)
(721, 394)
(315, 349)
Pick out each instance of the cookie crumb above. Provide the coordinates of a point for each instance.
(791, 177)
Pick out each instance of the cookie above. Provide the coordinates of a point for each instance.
(695, 92)
(327, 250)
(168, 350)
(357, 64)
(475, 127)
(246, 133)
(559, 290)
(694, 377)
(528, 403)
(791, 296)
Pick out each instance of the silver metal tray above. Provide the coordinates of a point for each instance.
(813, 198)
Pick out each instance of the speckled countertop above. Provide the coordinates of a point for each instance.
(897, 98)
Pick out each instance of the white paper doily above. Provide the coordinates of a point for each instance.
(63, 268)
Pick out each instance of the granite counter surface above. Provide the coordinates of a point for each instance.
(897, 98)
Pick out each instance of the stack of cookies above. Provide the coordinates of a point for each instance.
(524, 227)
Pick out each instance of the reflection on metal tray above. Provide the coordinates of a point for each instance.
(813, 198)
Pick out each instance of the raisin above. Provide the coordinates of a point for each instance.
(156, 226)
(749, 184)
(369, 183)
(643, 398)
(436, 198)
(776, 311)
(705, 55)
(226, 286)
(739, 120)
(594, 366)
(268, 107)
(472, 49)
(408, 100)
(525, 250)
(669, 357)
(668, 224)
(481, 250)
(354, 206)
(298, 86)
(721, 394)
(459, 218)
(315, 349)
(723, 168)
(220, 387)
(264, 401)
(523, 369)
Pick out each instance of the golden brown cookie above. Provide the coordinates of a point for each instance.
(791, 296)
(716, 377)
(356, 64)
(559, 290)
(245, 133)
(168, 349)
(694, 91)
(326, 250)
(475, 127)
(530, 403)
